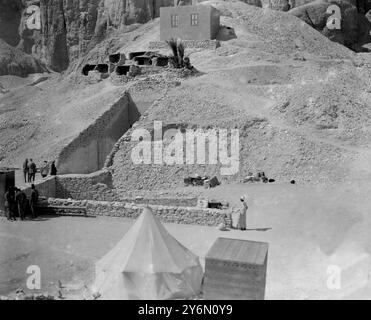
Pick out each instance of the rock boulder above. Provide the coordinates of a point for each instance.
(353, 25)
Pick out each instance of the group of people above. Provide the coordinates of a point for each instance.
(17, 203)
(30, 169)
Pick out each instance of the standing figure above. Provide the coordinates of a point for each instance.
(25, 170)
(53, 169)
(31, 171)
(7, 204)
(33, 201)
(9, 198)
(44, 171)
(21, 200)
(241, 222)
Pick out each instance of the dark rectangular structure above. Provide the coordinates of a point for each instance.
(7, 179)
(236, 270)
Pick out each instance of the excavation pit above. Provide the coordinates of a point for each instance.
(160, 61)
(102, 68)
(87, 68)
(116, 58)
(143, 61)
(122, 70)
(132, 55)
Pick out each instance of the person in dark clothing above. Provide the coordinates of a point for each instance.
(7, 204)
(10, 204)
(25, 170)
(33, 201)
(53, 169)
(21, 200)
(31, 171)
(44, 171)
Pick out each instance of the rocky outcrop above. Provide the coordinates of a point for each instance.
(10, 17)
(69, 28)
(16, 62)
(256, 3)
(354, 26)
(124, 12)
(362, 5)
(281, 5)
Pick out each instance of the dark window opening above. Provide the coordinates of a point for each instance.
(114, 58)
(194, 19)
(143, 61)
(132, 55)
(174, 20)
(87, 68)
(102, 68)
(162, 61)
(122, 70)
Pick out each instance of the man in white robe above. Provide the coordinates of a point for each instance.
(241, 219)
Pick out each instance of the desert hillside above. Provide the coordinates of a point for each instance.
(300, 101)
(15, 62)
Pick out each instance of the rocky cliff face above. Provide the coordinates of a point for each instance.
(69, 27)
(10, 16)
(15, 62)
(124, 12)
(354, 27)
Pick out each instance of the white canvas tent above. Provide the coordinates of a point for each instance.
(148, 264)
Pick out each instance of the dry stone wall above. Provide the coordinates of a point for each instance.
(190, 44)
(46, 188)
(70, 28)
(94, 195)
(167, 214)
(98, 186)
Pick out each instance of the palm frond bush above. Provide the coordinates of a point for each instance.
(178, 58)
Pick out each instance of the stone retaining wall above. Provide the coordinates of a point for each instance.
(98, 186)
(95, 195)
(191, 44)
(167, 214)
(46, 188)
(95, 186)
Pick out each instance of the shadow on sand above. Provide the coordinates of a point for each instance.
(55, 216)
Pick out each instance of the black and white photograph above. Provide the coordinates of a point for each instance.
(185, 150)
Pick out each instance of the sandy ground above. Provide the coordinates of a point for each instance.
(312, 231)
(306, 245)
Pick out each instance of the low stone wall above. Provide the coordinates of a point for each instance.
(46, 188)
(99, 187)
(95, 186)
(181, 202)
(167, 214)
(191, 44)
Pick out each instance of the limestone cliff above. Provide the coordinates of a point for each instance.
(10, 16)
(69, 28)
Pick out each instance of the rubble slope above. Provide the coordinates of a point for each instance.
(296, 98)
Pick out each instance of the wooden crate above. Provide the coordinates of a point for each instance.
(236, 270)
